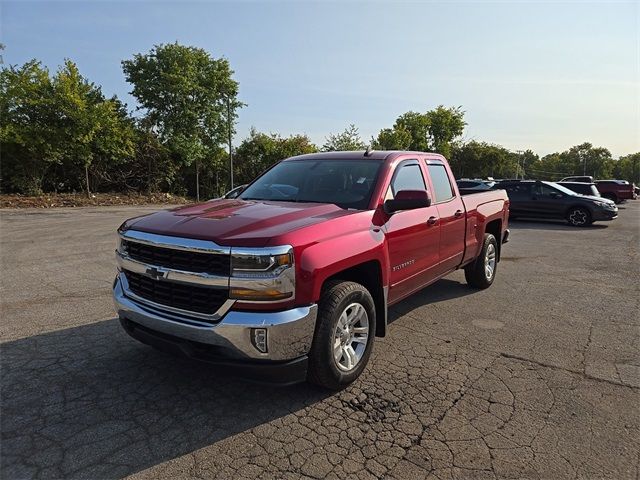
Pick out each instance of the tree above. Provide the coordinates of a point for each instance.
(628, 168)
(347, 140)
(481, 160)
(27, 131)
(583, 159)
(392, 139)
(445, 125)
(89, 128)
(187, 95)
(260, 151)
(417, 126)
(436, 130)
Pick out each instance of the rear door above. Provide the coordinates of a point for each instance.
(520, 202)
(413, 236)
(451, 216)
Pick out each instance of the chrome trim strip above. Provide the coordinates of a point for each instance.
(180, 276)
(289, 333)
(221, 312)
(176, 243)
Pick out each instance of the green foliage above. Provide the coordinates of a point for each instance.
(186, 94)
(26, 135)
(628, 168)
(479, 159)
(433, 131)
(90, 129)
(60, 133)
(445, 125)
(260, 151)
(347, 140)
(392, 139)
(55, 130)
(583, 159)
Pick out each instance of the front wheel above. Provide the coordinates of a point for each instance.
(579, 217)
(481, 272)
(343, 341)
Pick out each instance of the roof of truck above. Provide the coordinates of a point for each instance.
(357, 155)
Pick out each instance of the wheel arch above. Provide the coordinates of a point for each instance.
(369, 275)
(578, 205)
(494, 227)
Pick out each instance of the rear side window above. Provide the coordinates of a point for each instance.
(408, 177)
(442, 190)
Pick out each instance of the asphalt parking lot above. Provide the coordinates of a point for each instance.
(536, 377)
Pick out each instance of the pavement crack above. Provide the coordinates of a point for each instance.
(569, 370)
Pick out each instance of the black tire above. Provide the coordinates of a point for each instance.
(579, 217)
(476, 273)
(323, 369)
(611, 196)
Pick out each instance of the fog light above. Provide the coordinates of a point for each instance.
(259, 339)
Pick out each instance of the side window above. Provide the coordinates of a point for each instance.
(442, 190)
(519, 191)
(545, 191)
(408, 177)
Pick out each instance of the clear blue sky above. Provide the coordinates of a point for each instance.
(540, 75)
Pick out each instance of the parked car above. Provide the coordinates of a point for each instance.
(234, 192)
(537, 199)
(583, 179)
(616, 190)
(583, 188)
(292, 280)
(467, 184)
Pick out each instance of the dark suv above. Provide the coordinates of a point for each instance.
(536, 199)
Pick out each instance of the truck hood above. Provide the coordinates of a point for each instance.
(236, 222)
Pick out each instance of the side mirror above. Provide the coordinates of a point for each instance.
(407, 200)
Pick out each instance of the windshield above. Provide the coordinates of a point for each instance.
(564, 190)
(345, 183)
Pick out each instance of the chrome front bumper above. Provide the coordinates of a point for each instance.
(289, 332)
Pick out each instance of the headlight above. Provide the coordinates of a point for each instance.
(255, 264)
(605, 205)
(262, 274)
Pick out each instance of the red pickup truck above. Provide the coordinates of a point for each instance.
(616, 190)
(292, 279)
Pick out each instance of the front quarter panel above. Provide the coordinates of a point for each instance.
(322, 260)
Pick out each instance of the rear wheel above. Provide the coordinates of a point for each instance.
(481, 273)
(579, 217)
(344, 335)
(611, 196)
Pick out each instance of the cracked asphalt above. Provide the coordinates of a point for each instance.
(536, 377)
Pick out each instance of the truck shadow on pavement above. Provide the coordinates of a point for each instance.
(443, 290)
(89, 402)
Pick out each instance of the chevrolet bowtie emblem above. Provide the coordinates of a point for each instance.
(156, 273)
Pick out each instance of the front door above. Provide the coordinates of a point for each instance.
(547, 201)
(413, 236)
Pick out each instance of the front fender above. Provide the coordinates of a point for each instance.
(323, 260)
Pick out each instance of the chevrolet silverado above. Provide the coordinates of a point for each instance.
(291, 281)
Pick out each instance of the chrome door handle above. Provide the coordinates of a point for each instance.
(458, 214)
(432, 220)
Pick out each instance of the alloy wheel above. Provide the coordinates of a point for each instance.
(350, 337)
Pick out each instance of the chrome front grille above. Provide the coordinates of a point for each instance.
(179, 276)
(193, 298)
(186, 260)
